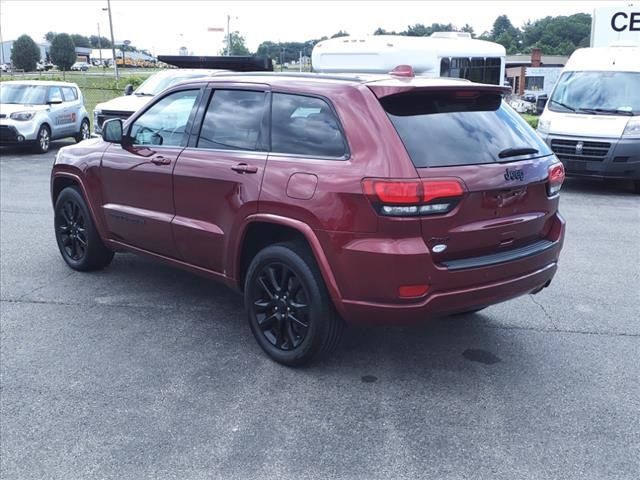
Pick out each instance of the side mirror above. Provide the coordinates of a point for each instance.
(112, 130)
(128, 90)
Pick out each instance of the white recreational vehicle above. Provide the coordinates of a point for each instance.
(443, 54)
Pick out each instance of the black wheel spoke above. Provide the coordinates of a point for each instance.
(271, 274)
(268, 321)
(263, 305)
(298, 321)
(286, 275)
(291, 336)
(266, 288)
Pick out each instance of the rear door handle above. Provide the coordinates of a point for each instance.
(160, 160)
(244, 168)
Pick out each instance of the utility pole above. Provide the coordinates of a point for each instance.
(228, 36)
(100, 47)
(113, 43)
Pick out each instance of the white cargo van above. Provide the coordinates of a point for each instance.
(592, 119)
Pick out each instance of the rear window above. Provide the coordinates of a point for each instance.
(442, 130)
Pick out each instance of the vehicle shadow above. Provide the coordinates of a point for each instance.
(443, 343)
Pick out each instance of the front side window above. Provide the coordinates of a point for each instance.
(305, 126)
(70, 94)
(165, 123)
(233, 120)
(55, 94)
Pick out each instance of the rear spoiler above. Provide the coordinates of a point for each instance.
(383, 88)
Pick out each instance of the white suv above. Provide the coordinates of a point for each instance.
(36, 112)
(124, 107)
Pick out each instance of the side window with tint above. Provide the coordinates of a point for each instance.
(165, 123)
(233, 120)
(305, 126)
(70, 94)
(55, 95)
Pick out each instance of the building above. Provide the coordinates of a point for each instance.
(535, 75)
(82, 53)
(6, 47)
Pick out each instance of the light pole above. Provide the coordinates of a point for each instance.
(229, 35)
(100, 47)
(113, 43)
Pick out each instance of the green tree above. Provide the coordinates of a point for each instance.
(102, 42)
(25, 53)
(341, 33)
(80, 40)
(49, 36)
(238, 46)
(469, 29)
(557, 35)
(62, 51)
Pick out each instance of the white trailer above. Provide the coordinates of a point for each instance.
(443, 54)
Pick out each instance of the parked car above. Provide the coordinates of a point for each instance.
(5, 67)
(35, 112)
(44, 66)
(325, 199)
(123, 107)
(80, 67)
(592, 119)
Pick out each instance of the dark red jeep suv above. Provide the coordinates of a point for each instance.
(325, 199)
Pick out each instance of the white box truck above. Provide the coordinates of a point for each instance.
(592, 119)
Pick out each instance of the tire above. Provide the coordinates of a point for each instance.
(284, 277)
(78, 240)
(43, 140)
(84, 132)
(636, 186)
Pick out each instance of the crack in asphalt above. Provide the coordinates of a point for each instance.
(192, 308)
(544, 310)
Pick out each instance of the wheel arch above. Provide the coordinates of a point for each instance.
(261, 230)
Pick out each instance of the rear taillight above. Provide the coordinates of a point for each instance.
(409, 198)
(556, 177)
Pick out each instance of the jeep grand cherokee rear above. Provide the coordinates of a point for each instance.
(324, 199)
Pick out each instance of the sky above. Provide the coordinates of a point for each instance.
(163, 26)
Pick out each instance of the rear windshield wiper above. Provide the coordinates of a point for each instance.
(612, 111)
(514, 152)
(562, 105)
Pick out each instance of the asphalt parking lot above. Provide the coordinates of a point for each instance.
(142, 371)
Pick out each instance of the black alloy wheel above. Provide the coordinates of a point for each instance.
(70, 225)
(290, 312)
(77, 237)
(281, 307)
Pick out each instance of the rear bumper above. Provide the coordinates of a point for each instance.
(452, 301)
(369, 276)
(620, 160)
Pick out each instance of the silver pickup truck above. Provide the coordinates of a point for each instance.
(35, 112)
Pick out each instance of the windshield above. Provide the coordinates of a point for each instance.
(157, 83)
(440, 130)
(23, 94)
(597, 92)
